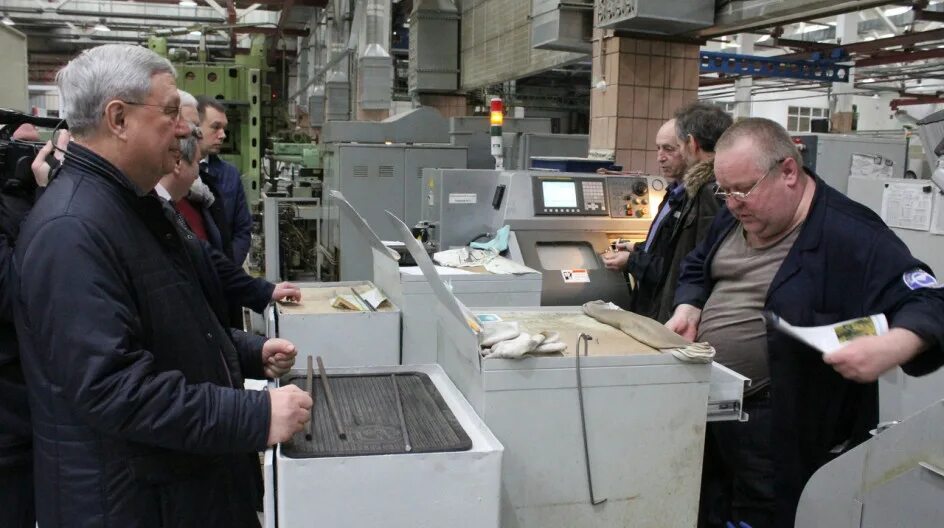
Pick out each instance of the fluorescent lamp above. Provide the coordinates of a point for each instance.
(101, 26)
(195, 33)
(7, 21)
(188, 3)
(894, 11)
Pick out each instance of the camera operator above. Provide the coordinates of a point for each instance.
(16, 462)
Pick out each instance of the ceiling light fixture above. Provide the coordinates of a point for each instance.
(195, 33)
(187, 3)
(7, 21)
(101, 26)
(895, 11)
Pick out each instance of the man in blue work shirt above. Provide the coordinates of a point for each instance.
(685, 149)
(791, 245)
(225, 176)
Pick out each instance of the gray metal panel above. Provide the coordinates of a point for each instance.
(834, 155)
(434, 47)
(371, 178)
(562, 145)
(562, 26)
(879, 483)
(417, 159)
(13, 84)
(419, 125)
(655, 16)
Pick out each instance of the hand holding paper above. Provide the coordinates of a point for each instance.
(864, 359)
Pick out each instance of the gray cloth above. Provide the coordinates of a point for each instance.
(732, 320)
(649, 332)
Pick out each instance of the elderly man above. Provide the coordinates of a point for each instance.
(139, 416)
(683, 216)
(791, 245)
(239, 287)
(224, 176)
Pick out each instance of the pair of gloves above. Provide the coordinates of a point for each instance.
(505, 340)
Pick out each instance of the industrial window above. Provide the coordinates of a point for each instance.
(799, 117)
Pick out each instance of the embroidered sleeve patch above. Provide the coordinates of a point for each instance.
(918, 278)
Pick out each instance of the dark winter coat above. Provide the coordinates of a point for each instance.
(227, 183)
(846, 263)
(656, 271)
(139, 416)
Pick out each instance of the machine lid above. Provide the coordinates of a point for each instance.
(443, 294)
(358, 221)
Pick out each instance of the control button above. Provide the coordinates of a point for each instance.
(644, 201)
(640, 188)
(639, 213)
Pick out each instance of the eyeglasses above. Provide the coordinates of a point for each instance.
(743, 196)
(169, 111)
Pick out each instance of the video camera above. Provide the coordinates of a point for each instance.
(17, 156)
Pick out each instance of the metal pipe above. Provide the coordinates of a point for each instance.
(329, 395)
(311, 392)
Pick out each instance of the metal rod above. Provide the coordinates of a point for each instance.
(311, 392)
(330, 396)
(396, 394)
(583, 420)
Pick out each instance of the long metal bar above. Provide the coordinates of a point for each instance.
(406, 435)
(583, 420)
(329, 394)
(311, 390)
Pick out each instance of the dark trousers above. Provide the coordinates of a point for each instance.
(738, 475)
(17, 509)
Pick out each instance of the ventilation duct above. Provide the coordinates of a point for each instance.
(562, 26)
(316, 94)
(658, 17)
(337, 82)
(434, 47)
(375, 67)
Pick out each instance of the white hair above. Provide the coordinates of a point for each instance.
(186, 98)
(102, 74)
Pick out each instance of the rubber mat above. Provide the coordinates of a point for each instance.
(368, 411)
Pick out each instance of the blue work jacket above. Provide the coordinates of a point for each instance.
(228, 182)
(845, 263)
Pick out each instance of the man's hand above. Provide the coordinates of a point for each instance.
(278, 356)
(864, 359)
(616, 260)
(290, 410)
(684, 321)
(40, 166)
(286, 291)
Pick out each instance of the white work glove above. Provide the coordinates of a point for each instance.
(541, 343)
(498, 331)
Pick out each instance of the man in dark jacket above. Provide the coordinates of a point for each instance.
(685, 147)
(791, 245)
(224, 177)
(16, 460)
(139, 416)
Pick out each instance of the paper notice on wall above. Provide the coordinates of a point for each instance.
(908, 205)
(871, 166)
(937, 219)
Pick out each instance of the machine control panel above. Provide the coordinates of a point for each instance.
(629, 196)
(569, 196)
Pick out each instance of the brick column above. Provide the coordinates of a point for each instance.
(643, 83)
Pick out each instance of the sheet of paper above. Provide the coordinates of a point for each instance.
(504, 266)
(871, 166)
(442, 270)
(832, 337)
(937, 219)
(908, 205)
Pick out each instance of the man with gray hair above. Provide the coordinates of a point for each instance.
(790, 245)
(135, 385)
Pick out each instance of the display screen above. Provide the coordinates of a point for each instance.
(559, 193)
